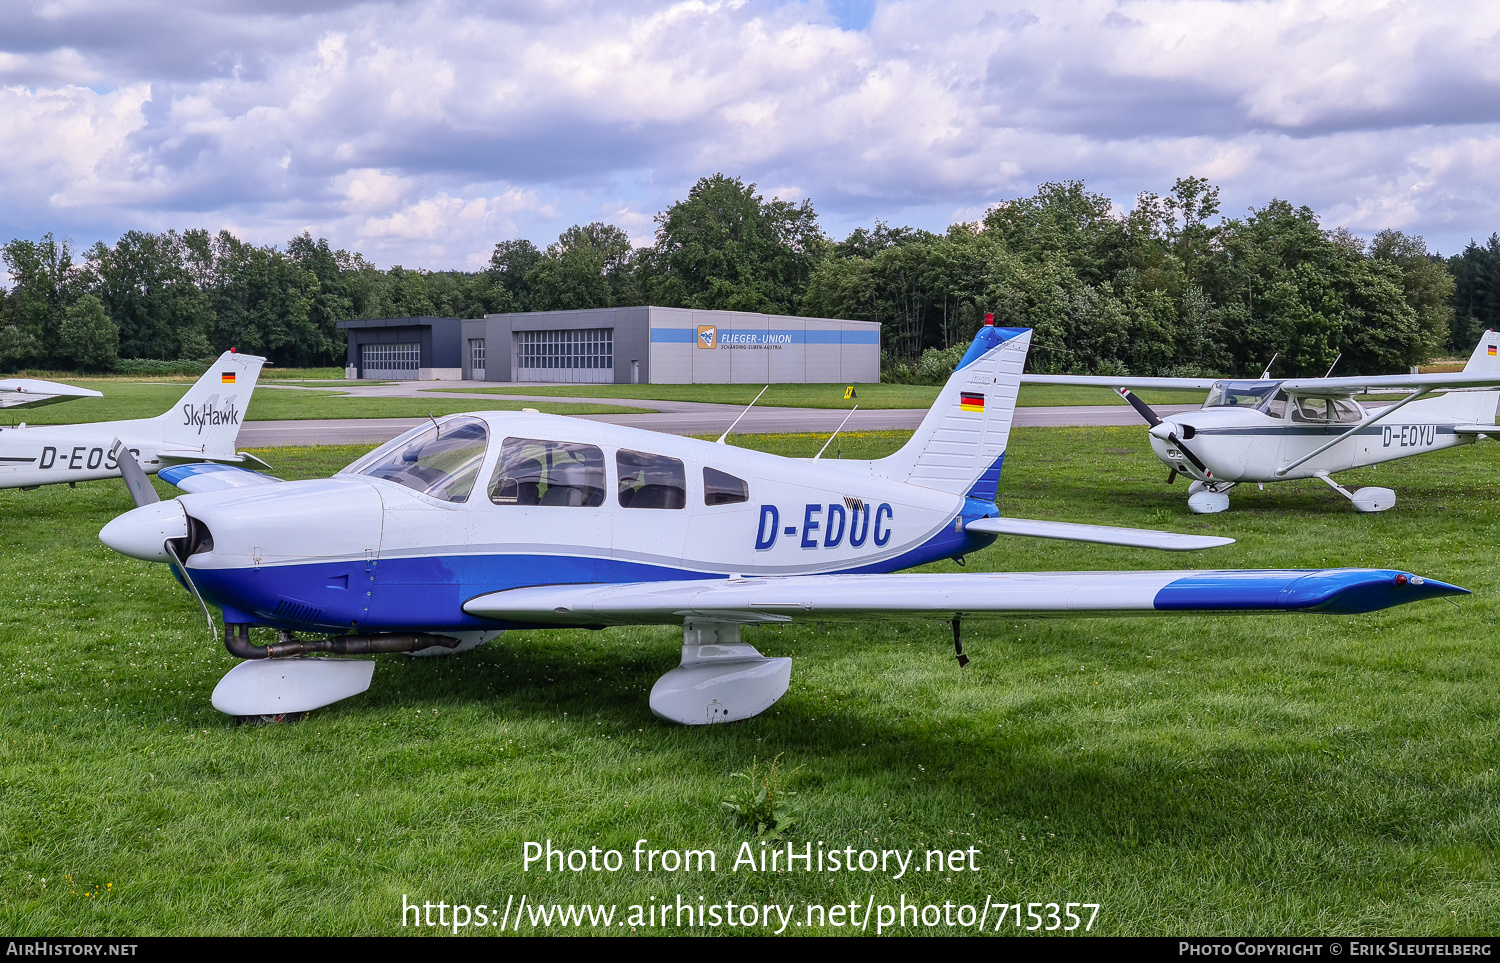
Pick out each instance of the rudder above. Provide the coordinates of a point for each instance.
(208, 417)
(1486, 356)
(961, 442)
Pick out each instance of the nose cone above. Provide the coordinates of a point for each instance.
(1164, 429)
(140, 532)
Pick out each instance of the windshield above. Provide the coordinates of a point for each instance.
(1240, 394)
(440, 460)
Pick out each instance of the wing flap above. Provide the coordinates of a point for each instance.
(1353, 384)
(838, 597)
(1098, 381)
(1099, 534)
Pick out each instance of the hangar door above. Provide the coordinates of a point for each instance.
(583, 355)
(393, 362)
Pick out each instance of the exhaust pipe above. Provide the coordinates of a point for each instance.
(237, 641)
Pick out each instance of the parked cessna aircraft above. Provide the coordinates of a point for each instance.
(202, 426)
(457, 530)
(1270, 430)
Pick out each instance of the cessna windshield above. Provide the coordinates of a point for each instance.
(1241, 394)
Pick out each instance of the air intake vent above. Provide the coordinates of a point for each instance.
(295, 610)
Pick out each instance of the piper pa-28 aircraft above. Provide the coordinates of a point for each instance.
(447, 535)
(203, 426)
(1270, 430)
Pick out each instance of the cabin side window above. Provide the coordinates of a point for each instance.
(548, 473)
(1347, 411)
(722, 488)
(650, 481)
(1310, 410)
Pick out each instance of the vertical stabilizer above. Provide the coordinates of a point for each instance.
(961, 442)
(1486, 356)
(207, 419)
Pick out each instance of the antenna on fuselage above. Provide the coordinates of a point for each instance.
(1266, 374)
(742, 414)
(1334, 365)
(835, 433)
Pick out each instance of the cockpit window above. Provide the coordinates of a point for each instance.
(722, 488)
(548, 473)
(440, 460)
(1240, 394)
(650, 481)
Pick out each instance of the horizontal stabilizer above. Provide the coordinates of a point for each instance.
(182, 455)
(31, 393)
(1492, 431)
(207, 477)
(998, 594)
(1100, 534)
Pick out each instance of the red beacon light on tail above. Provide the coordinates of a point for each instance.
(989, 320)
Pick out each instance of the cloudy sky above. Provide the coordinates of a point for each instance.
(420, 132)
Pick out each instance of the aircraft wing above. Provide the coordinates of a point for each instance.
(31, 393)
(1354, 384)
(1125, 381)
(998, 594)
(1098, 534)
(209, 477)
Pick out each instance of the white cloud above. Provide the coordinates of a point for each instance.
(422, 132)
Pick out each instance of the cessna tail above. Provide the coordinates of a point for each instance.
(202, 426)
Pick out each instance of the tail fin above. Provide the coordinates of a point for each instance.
(961, 442)
(208, 417)
(1486, 356)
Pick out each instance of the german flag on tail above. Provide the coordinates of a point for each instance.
(226, 377)
(968, 401)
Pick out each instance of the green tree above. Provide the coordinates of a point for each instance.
(588, 267)
(43, 283)
(87, 335)
(510, 263)
(1476, 293)
(727, 248)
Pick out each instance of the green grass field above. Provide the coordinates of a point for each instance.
(1235, 775)
(832, 396)
(145, 399)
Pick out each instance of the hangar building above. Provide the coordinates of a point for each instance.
(640, 345)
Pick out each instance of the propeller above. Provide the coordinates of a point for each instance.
(141, 490)
(1155, 422)
(1140, 406)
(1171, 437)
(143, 493)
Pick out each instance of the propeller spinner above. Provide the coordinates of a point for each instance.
(1165, 430)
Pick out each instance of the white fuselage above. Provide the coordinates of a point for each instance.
(1240, 444)
(49, 455)
(357, 550)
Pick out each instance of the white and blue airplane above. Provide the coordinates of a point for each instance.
(448, 535)
(1271, 430)
(202, 426)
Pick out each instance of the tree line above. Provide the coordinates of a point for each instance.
(1169, 287)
